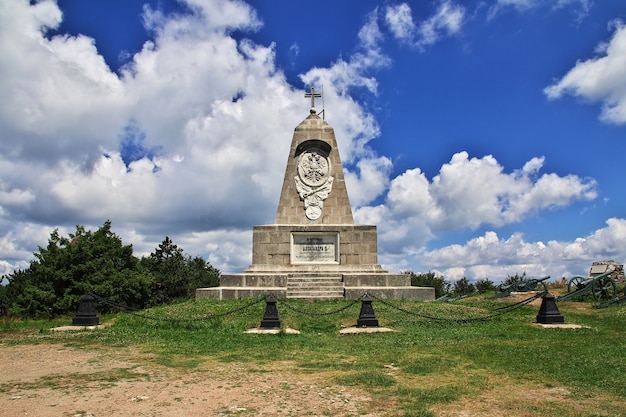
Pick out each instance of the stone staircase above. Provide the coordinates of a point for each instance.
(315, 287)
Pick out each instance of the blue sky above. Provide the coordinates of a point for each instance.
(484, 139)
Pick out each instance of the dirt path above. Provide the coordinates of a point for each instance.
(53, 380)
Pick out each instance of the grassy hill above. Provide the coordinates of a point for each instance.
(442, 359)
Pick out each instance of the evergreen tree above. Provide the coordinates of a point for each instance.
(176, 276)
(69, 267)
(85, 261)
(464, 287)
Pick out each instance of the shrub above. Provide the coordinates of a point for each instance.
(429, 279)
(484, 285)
(463, 287)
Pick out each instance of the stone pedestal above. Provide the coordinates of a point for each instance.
(314, 249)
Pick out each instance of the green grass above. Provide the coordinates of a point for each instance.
(426, 363)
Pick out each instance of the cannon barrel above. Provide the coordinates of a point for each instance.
(520, 286)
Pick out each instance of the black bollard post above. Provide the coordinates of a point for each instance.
(86, 313)
(549, 312)
(367, 318)
(270, 319)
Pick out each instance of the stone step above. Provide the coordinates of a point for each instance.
(315, 278)
(315, 286)
(311, 286)
(316, 295)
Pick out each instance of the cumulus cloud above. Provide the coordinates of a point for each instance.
(446, 21)
(468, 192)
(495, 258)
(599, 79)
(47, 89)
(369, 181)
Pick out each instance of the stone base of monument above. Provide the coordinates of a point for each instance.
(320, 286)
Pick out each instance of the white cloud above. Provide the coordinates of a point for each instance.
(492, 257)
(472, 192)
(602, 78)
(519, 5)
(370, 181)
(579, 7)
(467, 193)
(49, 85)
(399, 18)
(446, 21)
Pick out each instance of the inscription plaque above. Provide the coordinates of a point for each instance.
(314, 248)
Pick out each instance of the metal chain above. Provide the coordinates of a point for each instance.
(513, 307)
(311, 313)
(523, 302)
(500, 311)
(133, 311)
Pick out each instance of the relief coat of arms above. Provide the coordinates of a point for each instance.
(313, 182)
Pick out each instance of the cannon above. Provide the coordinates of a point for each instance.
(524, 285)
(449, 299)
(600, 287)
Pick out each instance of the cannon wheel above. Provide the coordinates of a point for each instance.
(603, 289)
(575, 284)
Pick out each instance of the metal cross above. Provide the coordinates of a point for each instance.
(312, 94)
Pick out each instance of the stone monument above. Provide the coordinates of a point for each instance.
(314, 249)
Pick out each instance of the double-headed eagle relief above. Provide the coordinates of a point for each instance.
(314, 182)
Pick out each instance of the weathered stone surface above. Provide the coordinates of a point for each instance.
(291, 209)
(391, 293)
(230, 293)
(272, 246)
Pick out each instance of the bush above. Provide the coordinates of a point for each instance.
(86, 261)
(429, 279)
(175, 275)
(463, 287)
(484, 285)
(515, 279)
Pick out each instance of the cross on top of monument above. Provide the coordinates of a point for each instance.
(312, 94)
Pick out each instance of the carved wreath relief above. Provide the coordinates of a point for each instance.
(313, 182)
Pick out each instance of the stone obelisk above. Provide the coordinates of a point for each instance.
(314, 249)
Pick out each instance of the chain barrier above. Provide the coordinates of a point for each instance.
(499, 311)
(502, 310)
(311, 313)
(133, 311)
(523, 302)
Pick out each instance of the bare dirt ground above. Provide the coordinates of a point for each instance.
(44, 380)
(53, 380)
